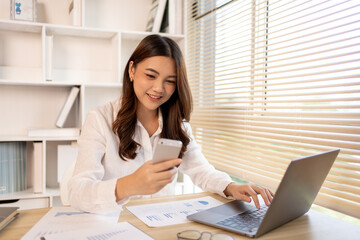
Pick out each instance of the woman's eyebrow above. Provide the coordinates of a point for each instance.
(152, 70)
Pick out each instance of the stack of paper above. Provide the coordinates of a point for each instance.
(121, 230)
(69, 223)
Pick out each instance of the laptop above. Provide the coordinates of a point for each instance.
(293, 198)
(7, 214)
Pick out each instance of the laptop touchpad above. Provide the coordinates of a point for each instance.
(233, 207)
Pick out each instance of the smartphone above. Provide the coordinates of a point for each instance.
(166, 149)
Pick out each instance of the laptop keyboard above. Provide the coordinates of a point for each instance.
(248, 221)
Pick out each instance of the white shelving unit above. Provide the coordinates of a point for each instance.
(91, 56)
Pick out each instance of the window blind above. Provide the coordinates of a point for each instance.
(276, 80)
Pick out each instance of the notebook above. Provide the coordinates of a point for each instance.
(7, 214)
(293, 198)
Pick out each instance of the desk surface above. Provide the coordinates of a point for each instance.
(313, 225)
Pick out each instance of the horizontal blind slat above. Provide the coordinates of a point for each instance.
(264, 162)
(288, 124)
(353, 139)
(267, 112)
(270, 141)
(205, 116)
(272, 148)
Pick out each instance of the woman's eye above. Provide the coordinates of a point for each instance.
(171, 81)
(150, 76)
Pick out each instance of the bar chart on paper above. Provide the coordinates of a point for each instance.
(121, 230)
(60, 220)
(170, 213)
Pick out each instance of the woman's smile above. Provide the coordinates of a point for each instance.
(154, 98)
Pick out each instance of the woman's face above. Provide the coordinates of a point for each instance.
(154, 81)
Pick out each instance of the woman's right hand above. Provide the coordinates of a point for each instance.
(148, 179)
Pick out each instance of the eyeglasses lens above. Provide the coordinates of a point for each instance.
(189, 235)
(221, 237)
(196, 235)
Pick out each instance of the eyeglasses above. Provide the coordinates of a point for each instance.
(197, 235)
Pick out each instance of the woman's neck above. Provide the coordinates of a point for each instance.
(149, 119)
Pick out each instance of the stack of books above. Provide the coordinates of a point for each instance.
(166, 16)
(12, 167)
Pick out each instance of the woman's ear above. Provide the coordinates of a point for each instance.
(131, 70)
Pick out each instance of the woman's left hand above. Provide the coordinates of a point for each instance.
(245, 192)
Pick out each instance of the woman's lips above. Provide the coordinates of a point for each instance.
(154, 98)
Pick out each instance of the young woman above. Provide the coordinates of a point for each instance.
(117, 140)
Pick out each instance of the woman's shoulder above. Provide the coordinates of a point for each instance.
(186, 126)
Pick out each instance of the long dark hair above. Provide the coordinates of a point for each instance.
(177, 109)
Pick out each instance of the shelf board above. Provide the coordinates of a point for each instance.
(21, 26)
(58, 84)
(75, 31)
(35, 27)
(28, 193)
(100, 85)
(138, 35)
(31, 139)
(38, 83)
(54, 29)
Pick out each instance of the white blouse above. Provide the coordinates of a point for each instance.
(98, 165)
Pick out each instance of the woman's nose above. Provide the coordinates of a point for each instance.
(158, 85)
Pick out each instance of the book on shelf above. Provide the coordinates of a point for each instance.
(12, 167)
(179, 16)
(25, 10)
(172, 16)
(75, 12)
(35, 164)
(37, 170)
(172, 21)
(53, 132)
(165, 20)
(64, 113)
(156, 16)
(49, 57)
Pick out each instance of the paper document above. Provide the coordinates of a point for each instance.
(169, 213)
(65, 219)
(121, 230)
